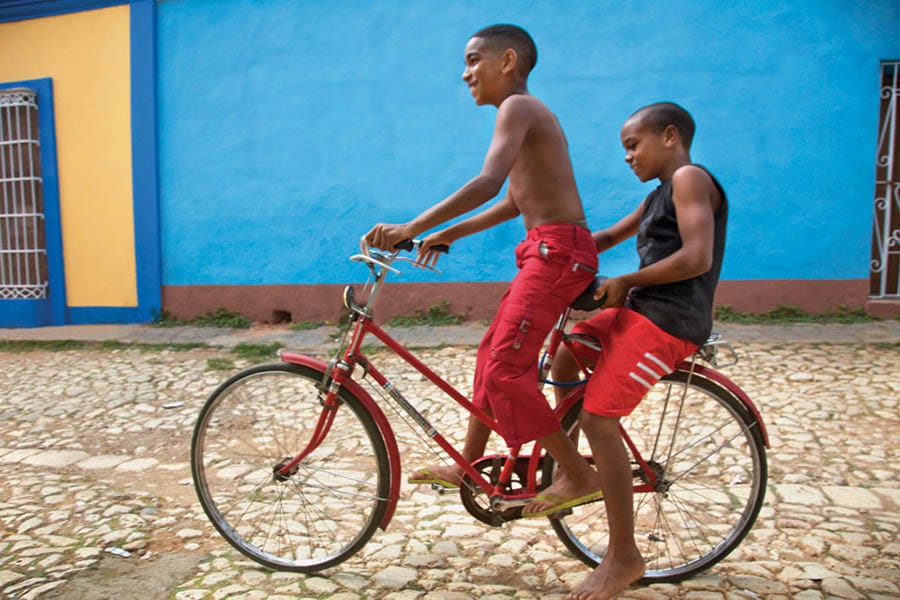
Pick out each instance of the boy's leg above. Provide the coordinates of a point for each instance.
(555, 263)
(623, 564)
(477, 433)
(636, 355)
(506, 369)
(578, 480)
(565, 369)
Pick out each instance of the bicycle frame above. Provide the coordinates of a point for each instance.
(339, 373)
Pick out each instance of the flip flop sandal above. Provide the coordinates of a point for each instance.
(560, 503)
(429, 477)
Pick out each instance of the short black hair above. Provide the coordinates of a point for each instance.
(512, 36)
(660, 115)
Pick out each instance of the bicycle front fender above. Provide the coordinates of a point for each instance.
(384, 427)
(720, 379)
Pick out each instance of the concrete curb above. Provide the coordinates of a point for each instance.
(467, 334)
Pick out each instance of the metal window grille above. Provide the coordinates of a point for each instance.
(23, 253)
(884, 278)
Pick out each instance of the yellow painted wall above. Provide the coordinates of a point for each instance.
(87, 56)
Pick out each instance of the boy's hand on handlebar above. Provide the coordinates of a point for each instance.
(428, 254)
(385, 236)
(615, 289)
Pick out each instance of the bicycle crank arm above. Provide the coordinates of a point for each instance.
(499, 503)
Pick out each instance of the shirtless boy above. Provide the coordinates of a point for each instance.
(556, 261)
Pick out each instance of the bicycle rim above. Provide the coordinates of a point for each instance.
(323, 512)
(710, 456)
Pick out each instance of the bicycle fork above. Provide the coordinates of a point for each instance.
(330, 404)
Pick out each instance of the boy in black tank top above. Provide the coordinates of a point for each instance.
(653, 318)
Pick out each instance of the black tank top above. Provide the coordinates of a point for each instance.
(684, 308)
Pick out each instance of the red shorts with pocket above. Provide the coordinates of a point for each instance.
(635, 354)
(556, 263)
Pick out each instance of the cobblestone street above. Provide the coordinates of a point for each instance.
(96, 499)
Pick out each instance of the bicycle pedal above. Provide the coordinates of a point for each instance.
(441, 490)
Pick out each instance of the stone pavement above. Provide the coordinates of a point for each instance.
(96, 500)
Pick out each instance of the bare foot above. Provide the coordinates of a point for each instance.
(444, 476)
(609, 578)
(562, 488)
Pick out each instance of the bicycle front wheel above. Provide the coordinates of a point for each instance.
(708, 454)
(326, 508)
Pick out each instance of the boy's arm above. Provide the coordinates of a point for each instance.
(502, 211)
(514, 118)
(693, 194)
(627, 227)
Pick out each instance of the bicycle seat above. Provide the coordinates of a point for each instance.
(585, 301)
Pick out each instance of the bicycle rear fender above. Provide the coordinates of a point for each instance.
(717, 378)
(380, 421)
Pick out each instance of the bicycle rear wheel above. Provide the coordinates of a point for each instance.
(327, 508)
(708, 453)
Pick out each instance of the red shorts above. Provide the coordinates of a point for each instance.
(556, 263)
(636, 354)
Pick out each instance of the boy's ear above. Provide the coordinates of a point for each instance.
(510, 60)
(670, 135)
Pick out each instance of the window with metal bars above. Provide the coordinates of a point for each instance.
(23, 254)
(884, 273)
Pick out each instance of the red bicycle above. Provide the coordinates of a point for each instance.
(297, 466)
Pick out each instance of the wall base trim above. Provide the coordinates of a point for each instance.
(280, 303)
(813, 295)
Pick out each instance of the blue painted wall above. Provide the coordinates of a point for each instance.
(286, 129)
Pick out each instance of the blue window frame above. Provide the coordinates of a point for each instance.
(51, 309)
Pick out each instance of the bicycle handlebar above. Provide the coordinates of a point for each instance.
(408, 245)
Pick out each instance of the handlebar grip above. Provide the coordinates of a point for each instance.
(408, 245)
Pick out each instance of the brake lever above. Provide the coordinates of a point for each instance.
(417, 264)
(372, 261)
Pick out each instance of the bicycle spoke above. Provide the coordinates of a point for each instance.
(663, 534)
(333, 474)
(688, 526)
(248, 502)
(313, 516)
(274, 520)
(706, 457)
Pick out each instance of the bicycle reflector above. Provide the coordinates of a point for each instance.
(349, 297)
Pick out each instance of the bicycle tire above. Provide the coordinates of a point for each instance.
(327, 509)
(713, 483)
